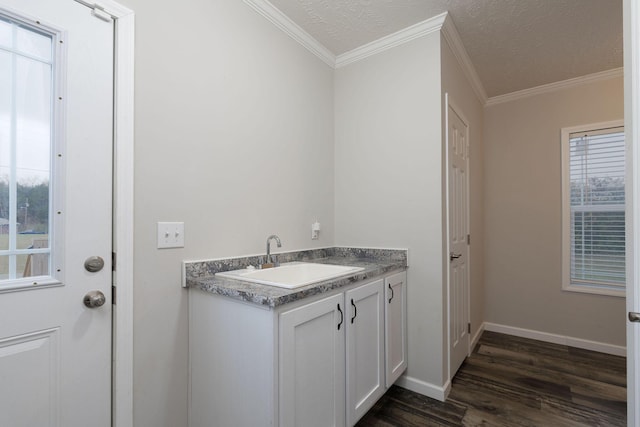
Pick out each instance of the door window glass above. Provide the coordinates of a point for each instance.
(26, 117)
(5, 33)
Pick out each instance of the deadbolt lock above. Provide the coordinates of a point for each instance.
(93, 264)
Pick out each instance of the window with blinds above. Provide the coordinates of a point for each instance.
(594, 209)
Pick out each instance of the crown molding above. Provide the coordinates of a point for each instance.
(392, 40)
(280, 20)
(552, 87)
(452, 38)
(440, 22)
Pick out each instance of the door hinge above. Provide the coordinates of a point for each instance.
(468, 328)
(113, 261)
(97, 10)
(100, 13)
(113, 295)
(468, 239)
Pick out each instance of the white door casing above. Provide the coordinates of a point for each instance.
(458, 230)
(55, 353)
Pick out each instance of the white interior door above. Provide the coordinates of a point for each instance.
(56, 92)
(632, 130)
(458, 155)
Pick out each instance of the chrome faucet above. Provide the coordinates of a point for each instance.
(268, 261)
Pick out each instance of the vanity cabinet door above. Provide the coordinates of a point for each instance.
(312, 365)
(395, 326)
(365, 348)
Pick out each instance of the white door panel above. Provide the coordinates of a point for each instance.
(55, 353)
(395, 326)
(365, 348)
(458, 155)
(30, 364)
(312, 364)
(632, 130)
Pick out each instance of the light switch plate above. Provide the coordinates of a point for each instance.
(170, 235)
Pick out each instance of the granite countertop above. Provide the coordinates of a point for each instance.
(375, 262)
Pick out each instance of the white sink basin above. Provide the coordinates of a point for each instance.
(292, 275)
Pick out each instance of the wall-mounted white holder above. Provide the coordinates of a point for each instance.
(315, 230)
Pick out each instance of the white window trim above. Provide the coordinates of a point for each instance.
(566, 214)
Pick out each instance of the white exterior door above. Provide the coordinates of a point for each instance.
(56, 66)
(458, 155)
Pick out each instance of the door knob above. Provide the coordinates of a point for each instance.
(94, 299)
(634, 317)
(453, 256)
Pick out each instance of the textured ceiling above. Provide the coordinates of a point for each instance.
(513, 44)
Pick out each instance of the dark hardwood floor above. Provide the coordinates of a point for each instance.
(510, 381)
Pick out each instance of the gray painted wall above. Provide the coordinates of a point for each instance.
(523, 215)
(241, 133)
(388, 168)
(234, 136)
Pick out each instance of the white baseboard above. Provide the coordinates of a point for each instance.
(556, 339)
(427, 389)
(441, 392)
(476, 337)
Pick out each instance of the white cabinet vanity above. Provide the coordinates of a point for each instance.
(323, 360)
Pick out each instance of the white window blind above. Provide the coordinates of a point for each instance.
(597, 208)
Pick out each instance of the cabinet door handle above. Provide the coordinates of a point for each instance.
(391, 289)
(355, 311)
(341, 317)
